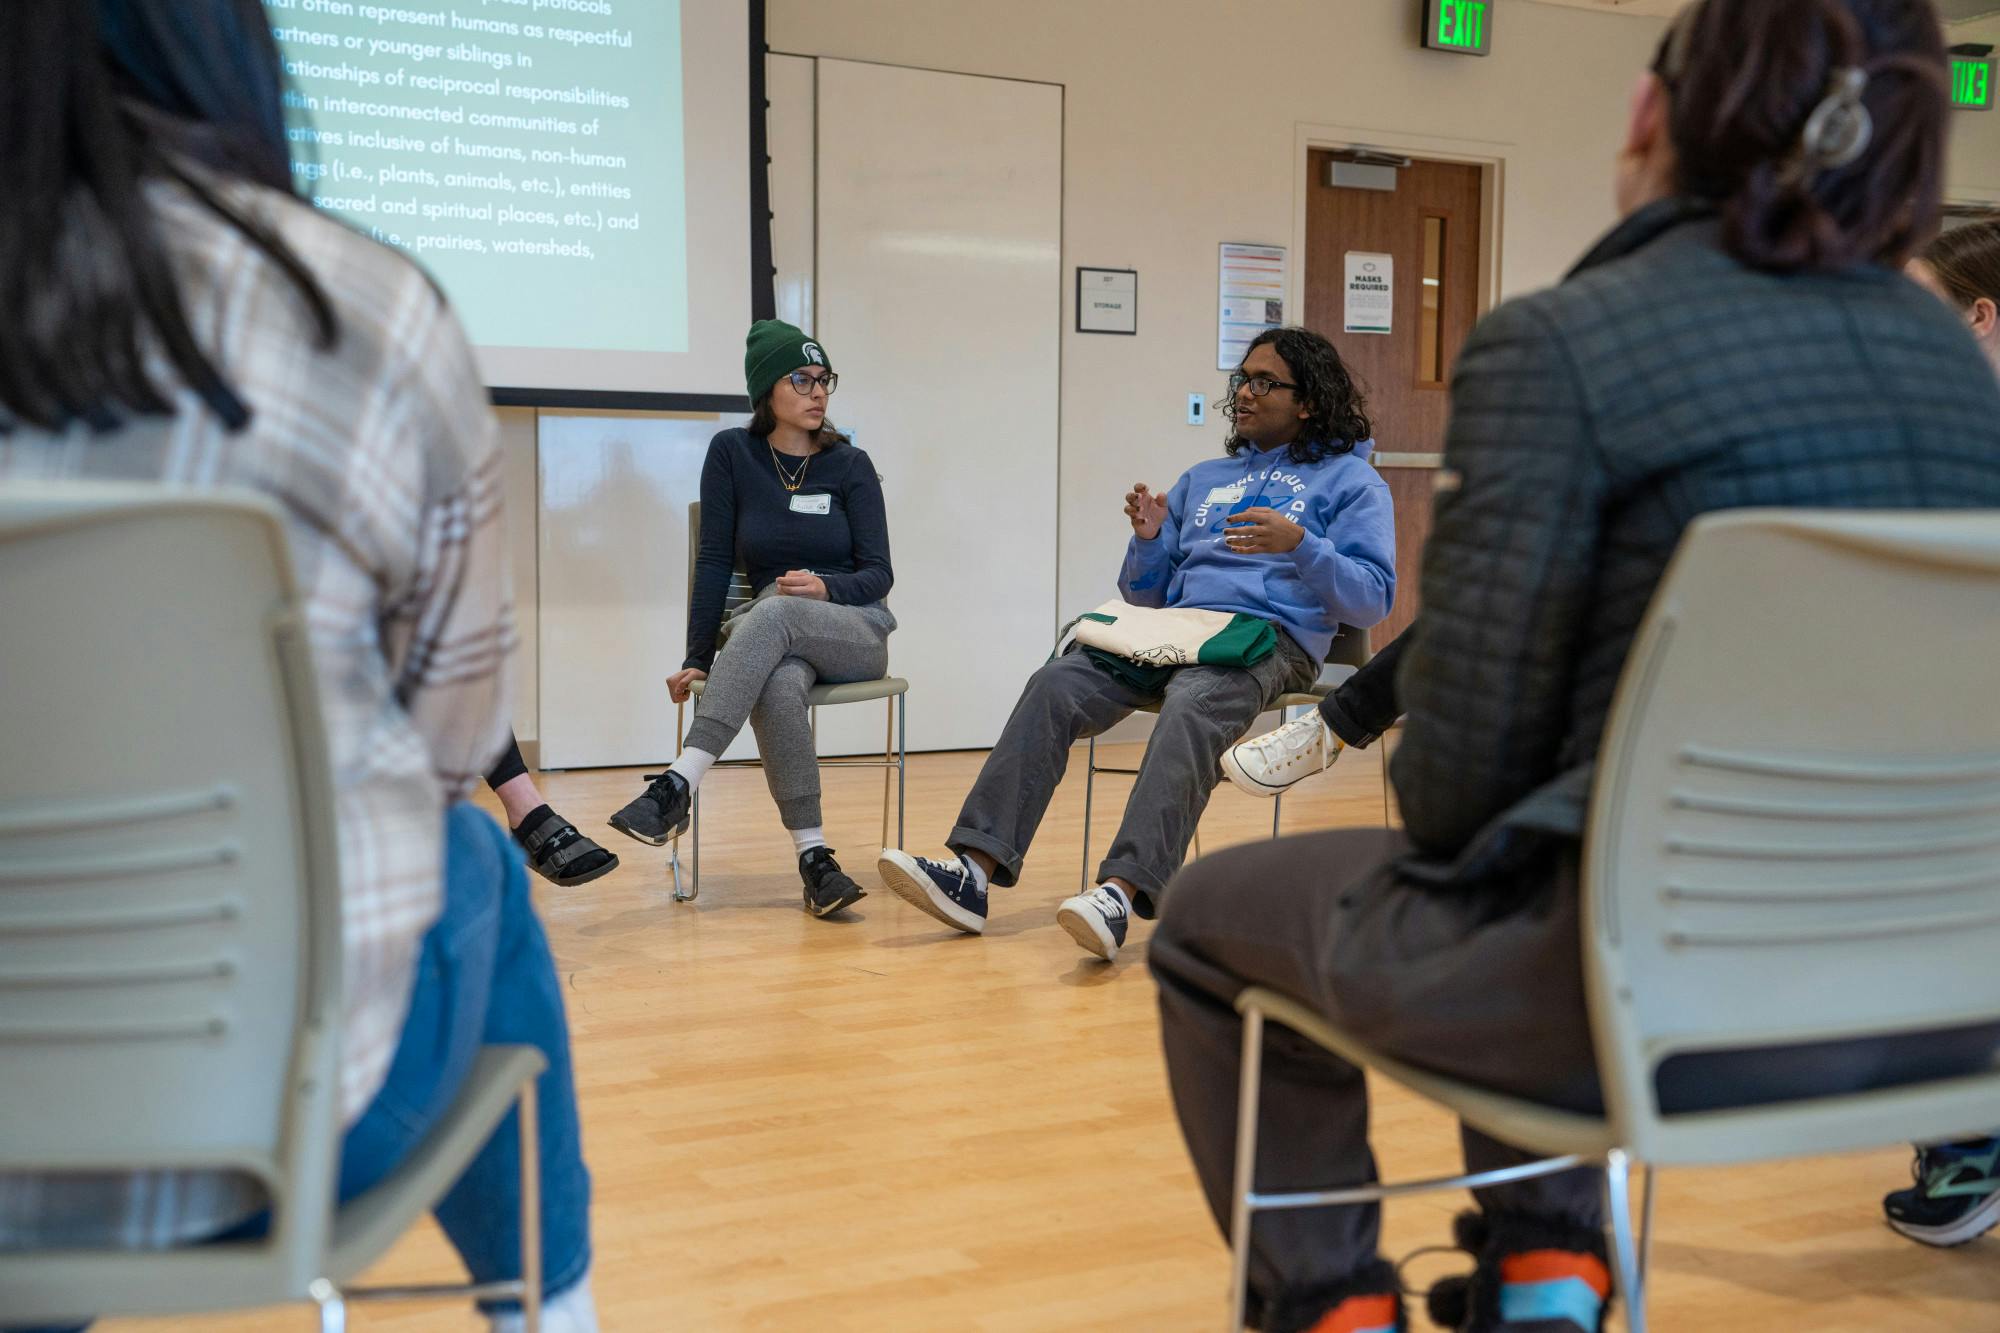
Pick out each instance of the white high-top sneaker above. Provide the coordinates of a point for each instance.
(1266, 765)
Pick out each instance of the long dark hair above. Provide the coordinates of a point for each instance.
(1967, 262)
(102, 99)
(1339, 416)
(1746, 77)
(763, 421)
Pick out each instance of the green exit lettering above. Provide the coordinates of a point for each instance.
(1972, 83)
(1462, 23)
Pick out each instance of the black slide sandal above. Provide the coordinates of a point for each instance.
(559, 853)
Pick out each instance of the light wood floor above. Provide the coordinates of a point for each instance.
(876, 1123)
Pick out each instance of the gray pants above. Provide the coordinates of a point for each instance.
(777, 649)
(1203, 711)
(1484, 984)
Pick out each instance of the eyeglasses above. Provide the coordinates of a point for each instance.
(803, 384)
(1260, 385)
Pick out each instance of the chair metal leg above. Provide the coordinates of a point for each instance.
(1646, 1223)
(682, 893)
(694, 818)
(1089, 785)
(1248, 1087)
(332, 1309)
(1385, 786)
(1278, 805)
(531, 1213)
(1618, 1202)
(888, 753)
(902, 760)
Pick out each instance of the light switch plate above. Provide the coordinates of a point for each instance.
(1197, 410)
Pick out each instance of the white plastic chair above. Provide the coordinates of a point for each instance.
(1794, 837)
(893, 690)
(1349, 653)
(170, 952)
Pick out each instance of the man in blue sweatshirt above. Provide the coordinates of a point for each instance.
(1292, 526)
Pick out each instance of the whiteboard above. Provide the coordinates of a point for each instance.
(939, 294)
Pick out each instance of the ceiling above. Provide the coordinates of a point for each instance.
(1953, 11)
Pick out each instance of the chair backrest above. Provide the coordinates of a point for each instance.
(740, 592)
(1351, 647)
(1795, 831)
(169, 892)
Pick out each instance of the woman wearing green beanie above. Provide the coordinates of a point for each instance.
(789, 500)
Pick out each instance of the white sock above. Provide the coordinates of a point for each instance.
(805, 839)
(978, 871)
(692, 765)
(1119, 894)
(572, 1312)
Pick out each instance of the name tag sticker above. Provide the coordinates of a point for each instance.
(812, 504)
(1226, 495)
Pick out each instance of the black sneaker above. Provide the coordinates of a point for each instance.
(1096, 921)
(948, 890)
(828, 888)
(1956, 1197)
(660, 815)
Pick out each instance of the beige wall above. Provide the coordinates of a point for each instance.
(1180, 133)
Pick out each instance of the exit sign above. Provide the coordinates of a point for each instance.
(1462, 26)
(1971, 84)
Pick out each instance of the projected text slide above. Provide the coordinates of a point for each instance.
(528, 152)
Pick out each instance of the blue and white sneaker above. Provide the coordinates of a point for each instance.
(1096, 920)
(948, 890)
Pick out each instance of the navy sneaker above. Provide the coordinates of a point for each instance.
(828, 888)
(1096, 920)
(1956, 1197)
(659, 814)
(948, 890)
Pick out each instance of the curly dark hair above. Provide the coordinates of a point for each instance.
(1339, 419)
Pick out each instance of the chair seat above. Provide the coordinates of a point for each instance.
(854, 692)
(1527, 1125)
(366, 1228)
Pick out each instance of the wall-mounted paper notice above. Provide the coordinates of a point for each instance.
(1371, 292)
(1252, 299)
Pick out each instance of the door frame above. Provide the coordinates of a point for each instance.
(1490, 156)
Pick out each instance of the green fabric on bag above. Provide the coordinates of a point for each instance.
(1133, 676)
(1245, 641)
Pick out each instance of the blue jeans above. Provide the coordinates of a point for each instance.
(484, 978)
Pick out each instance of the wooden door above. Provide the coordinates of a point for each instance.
(1430, 225)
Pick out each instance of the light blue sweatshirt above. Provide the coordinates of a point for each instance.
(1342, 573)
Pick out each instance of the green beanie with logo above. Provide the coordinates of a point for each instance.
(774, 350)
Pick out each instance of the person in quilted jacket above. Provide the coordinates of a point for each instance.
(1744, 337)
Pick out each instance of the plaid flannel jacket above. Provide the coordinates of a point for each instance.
(382, 453)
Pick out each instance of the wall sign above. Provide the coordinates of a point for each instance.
(1464, 27)
(1371, 293)
(1107, 300)
(1251, 299)
(1972, 83)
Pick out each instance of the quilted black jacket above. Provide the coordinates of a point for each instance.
(1590, 424)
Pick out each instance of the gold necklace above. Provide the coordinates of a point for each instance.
(785, 479)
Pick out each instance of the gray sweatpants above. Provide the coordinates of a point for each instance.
(1203, 711)
(777, 650)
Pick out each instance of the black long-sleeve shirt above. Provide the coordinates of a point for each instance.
(834, 525)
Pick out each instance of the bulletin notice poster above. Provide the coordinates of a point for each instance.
(1252, 299)
(1371, 292)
